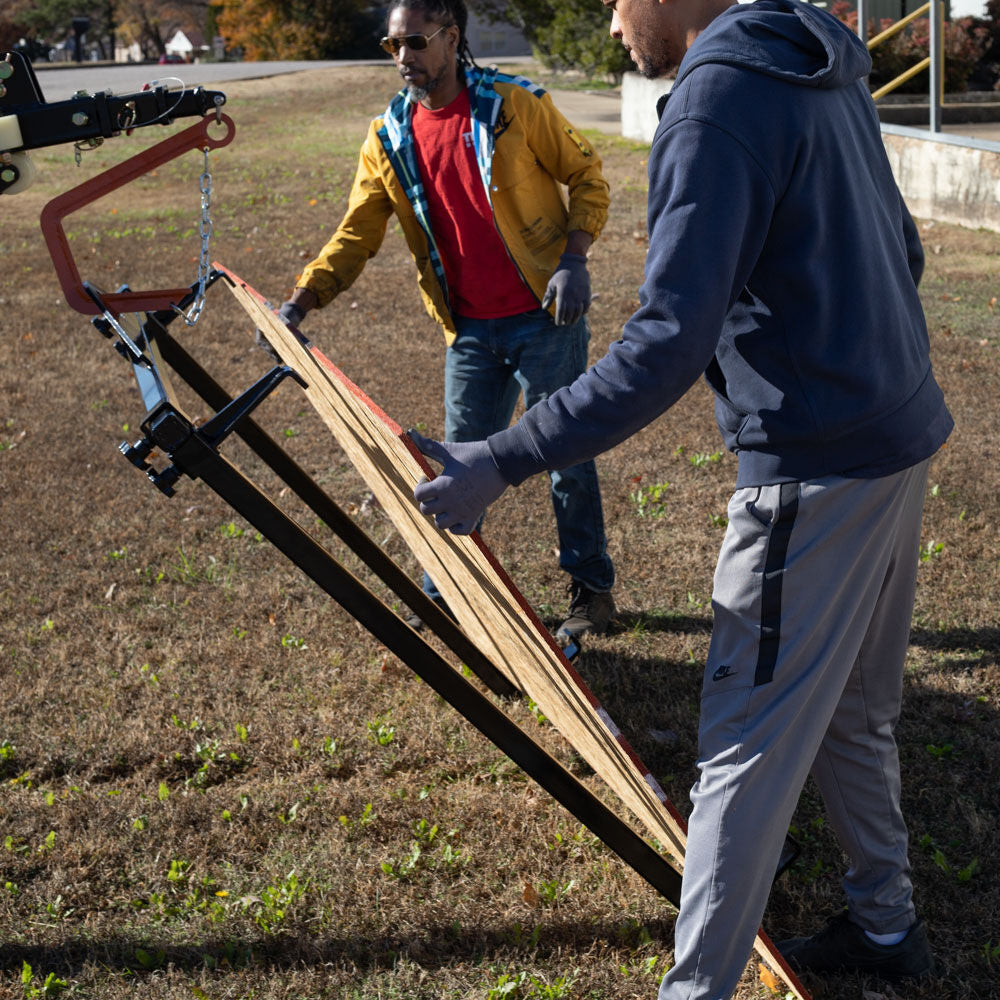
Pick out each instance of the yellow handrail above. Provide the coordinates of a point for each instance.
(901, 79)
(898, 26)
(913, 70)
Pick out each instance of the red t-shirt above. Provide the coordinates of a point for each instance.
(483, 281)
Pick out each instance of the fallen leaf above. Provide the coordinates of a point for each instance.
(768, 978)
(531, 897)
(110, 592)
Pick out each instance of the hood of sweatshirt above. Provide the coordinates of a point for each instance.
(788, 39)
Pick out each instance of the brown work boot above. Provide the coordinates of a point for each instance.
(589, 611)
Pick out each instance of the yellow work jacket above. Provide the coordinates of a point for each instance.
(526, 152)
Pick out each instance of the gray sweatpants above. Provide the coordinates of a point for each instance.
(813, 599)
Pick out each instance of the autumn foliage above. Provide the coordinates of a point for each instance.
(302, 29)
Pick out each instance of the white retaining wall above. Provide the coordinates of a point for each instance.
(941, 176)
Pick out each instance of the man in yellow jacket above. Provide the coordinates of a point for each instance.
(472, 163)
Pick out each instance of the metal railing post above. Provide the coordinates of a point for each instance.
(863, 21)
(937, 66)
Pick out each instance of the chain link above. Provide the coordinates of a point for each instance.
(205, 187)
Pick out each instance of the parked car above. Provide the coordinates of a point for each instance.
(170, 57)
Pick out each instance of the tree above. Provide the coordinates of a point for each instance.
(300, 29)
(571, 34)
(151, 23)
(147, 22)
(13, 23)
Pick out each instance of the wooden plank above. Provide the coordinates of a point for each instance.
(488, 606)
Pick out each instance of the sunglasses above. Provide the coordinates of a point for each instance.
(393, 45)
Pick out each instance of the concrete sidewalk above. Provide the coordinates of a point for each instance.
(602, 110)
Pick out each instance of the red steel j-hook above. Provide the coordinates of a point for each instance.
(195, 137)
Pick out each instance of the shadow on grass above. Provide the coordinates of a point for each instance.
(660, 621)
(435, 946)
(647, 622)
(971, 639)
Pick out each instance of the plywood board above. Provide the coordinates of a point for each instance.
(487, 605)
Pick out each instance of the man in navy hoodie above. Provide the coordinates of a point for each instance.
(783, 265)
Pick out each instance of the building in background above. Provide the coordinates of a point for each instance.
(488, 40)
(189, 45)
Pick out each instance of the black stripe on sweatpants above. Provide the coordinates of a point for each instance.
(774, 575)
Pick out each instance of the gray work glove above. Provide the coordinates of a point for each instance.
(570, 287)
(469, 482)
(289, 314)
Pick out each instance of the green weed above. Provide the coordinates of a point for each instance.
(150, 960)
(52, 985)
(649, 500)
(272, 906)
(380, 731)
(640, 967)
(522, 985)
(931, 549)
(553, 890)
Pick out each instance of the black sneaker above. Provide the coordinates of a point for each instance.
(417, 623)
(589, 611)
(844, 945)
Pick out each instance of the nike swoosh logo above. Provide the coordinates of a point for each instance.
(724, 671)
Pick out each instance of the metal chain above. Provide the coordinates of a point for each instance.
(205, 186)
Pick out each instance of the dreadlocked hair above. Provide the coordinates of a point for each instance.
(446, 12)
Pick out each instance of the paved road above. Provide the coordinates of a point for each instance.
(60, 82)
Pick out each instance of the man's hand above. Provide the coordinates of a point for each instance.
(570, 287)
(469, 482)
(291, 315)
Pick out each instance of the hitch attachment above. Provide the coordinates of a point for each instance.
(196, 136)
(28, 121)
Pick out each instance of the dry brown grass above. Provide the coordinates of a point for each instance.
(194, 801)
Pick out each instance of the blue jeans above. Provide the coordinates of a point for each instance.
(488, 365)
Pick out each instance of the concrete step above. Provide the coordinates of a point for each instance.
(951, 114)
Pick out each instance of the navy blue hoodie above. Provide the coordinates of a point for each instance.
(782, 264)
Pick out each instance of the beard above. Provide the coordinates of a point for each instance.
(655, 72)
(664, 64)
(420, 93)
(434, 77)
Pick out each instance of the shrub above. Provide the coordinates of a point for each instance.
(965, 40)
(570, 34)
